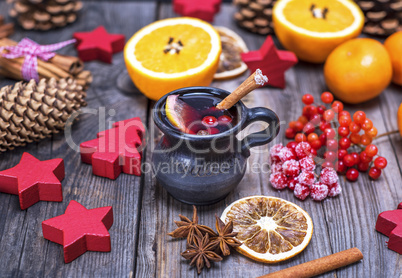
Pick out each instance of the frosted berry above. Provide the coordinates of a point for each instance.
(306, 178)
(328, 176)
(274, 152)
(303, 150)
(292, 145)
(286, 154)
(276, 167)
(278, 180)
(292, 183)
(301, 191)
(318, 191)
(291, 168)
(307, 163)
(334, 190)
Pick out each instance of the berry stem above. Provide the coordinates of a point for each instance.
(386, 134)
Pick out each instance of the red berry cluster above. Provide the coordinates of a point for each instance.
(341, 139)
(293, 167)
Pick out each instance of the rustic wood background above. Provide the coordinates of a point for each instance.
(144, 212)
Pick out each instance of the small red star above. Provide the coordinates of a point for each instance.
(272, 62)
(389, 223)
(98, 44)
(80, 230)
(34, 180)
(202, 9)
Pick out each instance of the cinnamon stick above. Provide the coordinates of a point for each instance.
(254, 81)
(319, 266)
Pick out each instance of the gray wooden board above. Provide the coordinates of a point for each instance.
(144, 212)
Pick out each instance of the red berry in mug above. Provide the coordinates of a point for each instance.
(209, 121)
(224, 120)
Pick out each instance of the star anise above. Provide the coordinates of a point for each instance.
(190, 229)
(226, 236)
(201, 252)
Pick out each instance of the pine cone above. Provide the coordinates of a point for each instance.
(383, 17)
(30, 112)
(255, 15)
(44, 14)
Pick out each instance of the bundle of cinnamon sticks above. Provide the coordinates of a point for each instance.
(58, 67)
(5, 29)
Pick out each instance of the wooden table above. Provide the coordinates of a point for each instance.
(144, 212)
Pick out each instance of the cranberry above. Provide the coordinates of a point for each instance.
(327, 97)
(308, 128)
(321, 109)
(274, 152)
(363, 166)
(343, 131)
(225, 119)
(307, 163)
(316, 144)
(334, 190)
(332, 145)
(341, 167)
(306, 178)
(292, 145)
(364, 157)
(341, 154)
(371, 150)
(380, 162)
(344, 143)
(290, 133)
(286, 154)
(330, 156)
(308, 99)
(209, 121)
(375, 173)
(327, 164)
(303, 149)
(349, 160)
(330, 133)
(292, 183)
(352, 174)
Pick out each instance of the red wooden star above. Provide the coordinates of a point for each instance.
(116, 150)
(80, 230)
(98, 44)
(34, 180)
(389, 223)
(271, 61)
(202, 9)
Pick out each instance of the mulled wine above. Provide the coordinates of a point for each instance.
(196, 113)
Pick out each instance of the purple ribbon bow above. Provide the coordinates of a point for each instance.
(31, 51)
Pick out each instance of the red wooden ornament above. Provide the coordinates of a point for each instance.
(202, 9)
(98, 45)
(80, 230)
(389, 223)
(272, 62)
(116, 150)
(34, 180)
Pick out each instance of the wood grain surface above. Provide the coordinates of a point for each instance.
(144, 212)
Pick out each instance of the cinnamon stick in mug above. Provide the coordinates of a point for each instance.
(319, 266)
(254, 81)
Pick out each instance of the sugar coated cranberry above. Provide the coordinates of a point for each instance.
(286, 154)
(301, 191)
(334, 190)
(352, 174)
(319, 191)
(307, 163)
(291, 168)
(328, 176)
(209, 121)
(292, 183)
(303, 149)
(306, 178)
(276, 167)
(278, 180)
(274, 152)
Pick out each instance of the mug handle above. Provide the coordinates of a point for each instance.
(262, 137)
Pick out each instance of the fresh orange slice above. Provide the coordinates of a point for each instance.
(230, 62)
(172, 53)
(312, 29)
(182, 115)
(271, 229)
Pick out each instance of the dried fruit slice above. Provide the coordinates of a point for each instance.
(271, 229)
(182, 115)
(230, 62)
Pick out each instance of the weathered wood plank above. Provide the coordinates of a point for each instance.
(25, 253)
(159, 255)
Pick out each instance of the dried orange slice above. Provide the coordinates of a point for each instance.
(271, 229)
(172, 53)
(230, 62)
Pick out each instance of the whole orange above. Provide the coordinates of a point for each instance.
(394, 46)
(358, 70)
